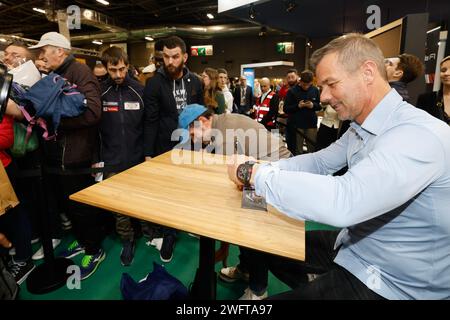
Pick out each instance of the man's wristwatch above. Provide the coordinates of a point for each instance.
(244, 172)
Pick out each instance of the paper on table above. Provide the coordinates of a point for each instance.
(251, 201)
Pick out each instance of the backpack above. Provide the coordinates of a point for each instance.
(8, 286)
(158, 285)
(52, 98)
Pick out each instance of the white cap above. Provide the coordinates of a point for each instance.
(52, 39)
(149, 68)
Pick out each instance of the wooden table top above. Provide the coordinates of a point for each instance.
(197, 198)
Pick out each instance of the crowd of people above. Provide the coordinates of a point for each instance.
(390, 203)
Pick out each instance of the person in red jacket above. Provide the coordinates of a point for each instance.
(6, 139)
(15, 223)
(266, 107)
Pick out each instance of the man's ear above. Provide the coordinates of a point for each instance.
(369, 69)
(185, 57)
(398, 74)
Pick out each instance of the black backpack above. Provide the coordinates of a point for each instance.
(8, 286)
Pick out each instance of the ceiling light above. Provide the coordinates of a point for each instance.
(103, 2)
(148, 38)
(252, 12)
(3, 40)
(199, 29)
(88, 14)
(39, 10)
(435, 29)
(209, 15)
(97, 42)
(217, 28)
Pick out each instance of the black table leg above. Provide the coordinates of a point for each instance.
(204, 286)
(52, 274)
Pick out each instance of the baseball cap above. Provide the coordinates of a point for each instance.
(52, 39)
(189, 114)
(150, 68)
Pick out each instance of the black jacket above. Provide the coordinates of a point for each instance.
(402, 89)
(77, 139)
(433, 103)
(160, 110)
(248, 99)
(122, 124)
(303, 118)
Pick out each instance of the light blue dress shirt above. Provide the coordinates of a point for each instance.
(393, 203)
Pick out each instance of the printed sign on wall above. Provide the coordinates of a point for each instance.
(202, 50)
(285, 47)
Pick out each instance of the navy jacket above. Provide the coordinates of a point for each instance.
(160, 109)
(303, 118)
(122, 123)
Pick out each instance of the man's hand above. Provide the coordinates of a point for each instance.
(12, 109)
(305, 104)
(4, 242)
(233, 164)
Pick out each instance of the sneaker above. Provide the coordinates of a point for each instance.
(156, 242)
(166, 252)
(20, 270)
(72, 250)
(66, 224)
(90, 263)
(232, 274)
(40, 253)
(35, 240)
(151, 232)
(127, 253)
(250, 295)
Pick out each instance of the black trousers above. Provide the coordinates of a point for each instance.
(87, 222)
(334, 281)
(325, 137)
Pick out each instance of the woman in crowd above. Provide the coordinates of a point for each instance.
(438, 103)
(213, 96)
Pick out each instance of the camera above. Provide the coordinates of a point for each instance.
(5, 87)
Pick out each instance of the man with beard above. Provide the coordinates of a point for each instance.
(165, 96)
(122, 131)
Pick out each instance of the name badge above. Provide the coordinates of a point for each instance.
(110, 109)
(132, 106)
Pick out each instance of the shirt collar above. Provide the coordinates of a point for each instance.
(379, 116)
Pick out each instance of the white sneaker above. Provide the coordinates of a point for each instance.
(156, 242)
(40, 253)
(250, 295)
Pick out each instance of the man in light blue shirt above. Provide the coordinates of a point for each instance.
(393, 203)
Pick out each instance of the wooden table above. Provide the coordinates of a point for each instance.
(196, 196)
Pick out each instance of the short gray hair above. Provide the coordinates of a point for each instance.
(352, 50)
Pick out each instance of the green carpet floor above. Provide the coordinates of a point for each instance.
(104, 284)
